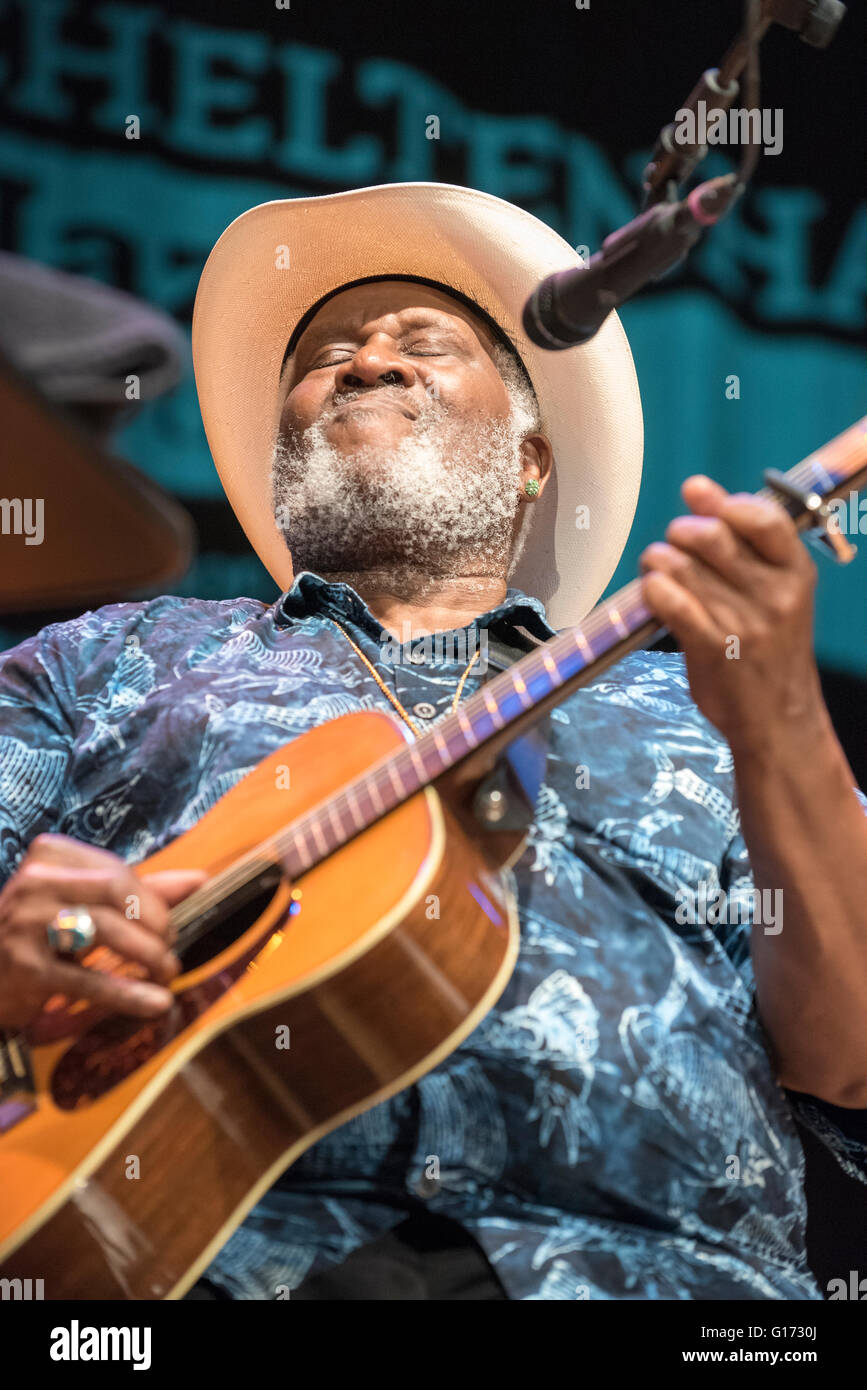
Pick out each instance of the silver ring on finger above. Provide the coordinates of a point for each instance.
(71, 932)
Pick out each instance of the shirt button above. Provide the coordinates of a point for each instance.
(417, 657)
(424, 710)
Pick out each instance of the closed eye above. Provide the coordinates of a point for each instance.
(429, 347)
(332, 361)
(424, 347)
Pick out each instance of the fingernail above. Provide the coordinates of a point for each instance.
(153, 995)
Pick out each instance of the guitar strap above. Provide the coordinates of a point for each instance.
(520, 769)
(502, 654)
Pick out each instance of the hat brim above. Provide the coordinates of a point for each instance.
(276, 260)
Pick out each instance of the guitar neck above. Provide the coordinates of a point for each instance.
(518, 696)
(506, 705)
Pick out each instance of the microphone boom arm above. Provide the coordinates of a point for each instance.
(815, 21)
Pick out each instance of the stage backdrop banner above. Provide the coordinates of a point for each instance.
(131, 134)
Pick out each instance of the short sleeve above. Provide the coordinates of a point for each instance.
(35, 744)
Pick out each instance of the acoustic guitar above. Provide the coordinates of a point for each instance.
(356, 925)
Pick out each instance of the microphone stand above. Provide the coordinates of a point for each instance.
(815, 21)
(569, 307)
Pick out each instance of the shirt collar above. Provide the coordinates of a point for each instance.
(311, 595)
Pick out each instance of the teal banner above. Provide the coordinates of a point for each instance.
(132, 134)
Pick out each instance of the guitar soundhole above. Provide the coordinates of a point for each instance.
(115, 1047)
(231, 921)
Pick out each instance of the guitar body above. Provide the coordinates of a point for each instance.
(149, 1141)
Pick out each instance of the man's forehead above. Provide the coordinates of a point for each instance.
(353, 308)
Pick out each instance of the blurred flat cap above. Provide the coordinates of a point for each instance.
(78, 340)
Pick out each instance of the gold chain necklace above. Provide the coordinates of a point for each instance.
(384, 688)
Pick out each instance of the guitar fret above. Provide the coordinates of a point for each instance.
(520, 686)
(493, 709)
(300, 843)
(321, 842)
(442, 746)
(354, 807)
(617, 620)
(467, 728)
(562, 661)
(418, 762)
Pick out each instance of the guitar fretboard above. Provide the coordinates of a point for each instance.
(518, 690)
(514, 697)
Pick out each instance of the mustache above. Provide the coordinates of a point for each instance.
(424, 409)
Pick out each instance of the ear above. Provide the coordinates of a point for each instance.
(537, 462)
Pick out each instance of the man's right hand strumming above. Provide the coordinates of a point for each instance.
(58, 873)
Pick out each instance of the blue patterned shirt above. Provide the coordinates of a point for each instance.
(613, 1128)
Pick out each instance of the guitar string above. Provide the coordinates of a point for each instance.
(597, 622)
(262, 856)
(274, 842)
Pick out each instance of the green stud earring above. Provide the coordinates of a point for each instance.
(531, 487)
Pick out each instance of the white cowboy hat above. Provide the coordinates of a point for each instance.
(491, 253)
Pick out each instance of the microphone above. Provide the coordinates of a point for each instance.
(570, 306)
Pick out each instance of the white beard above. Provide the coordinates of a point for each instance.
(440, 504)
